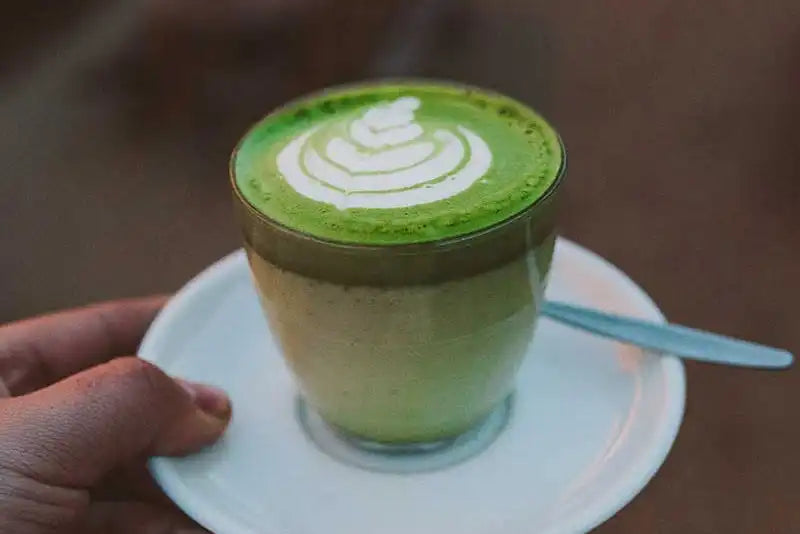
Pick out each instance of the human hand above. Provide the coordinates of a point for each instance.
(77, 422)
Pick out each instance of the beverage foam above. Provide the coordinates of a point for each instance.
(400, 163)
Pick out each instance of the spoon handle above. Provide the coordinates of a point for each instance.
(671, 339)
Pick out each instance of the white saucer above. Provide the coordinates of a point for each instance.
(592, 422)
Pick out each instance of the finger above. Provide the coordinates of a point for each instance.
(37, 352)
(29, 507)
(136, 518)
(77, 431)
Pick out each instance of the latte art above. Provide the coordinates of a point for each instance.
(385, 163)
(383, 159)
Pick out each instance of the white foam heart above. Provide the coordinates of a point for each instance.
(385, 160)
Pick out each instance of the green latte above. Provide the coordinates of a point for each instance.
(400, 238)
(397, 163)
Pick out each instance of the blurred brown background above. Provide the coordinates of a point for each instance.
(681, 120)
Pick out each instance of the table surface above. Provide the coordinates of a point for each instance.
(680, 118)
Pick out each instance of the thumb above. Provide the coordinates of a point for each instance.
(77, 430)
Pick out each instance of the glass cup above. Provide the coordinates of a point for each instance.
(402, 347)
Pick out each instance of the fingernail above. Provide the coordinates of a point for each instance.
(210, 399)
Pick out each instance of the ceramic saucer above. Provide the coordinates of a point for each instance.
(592, 421)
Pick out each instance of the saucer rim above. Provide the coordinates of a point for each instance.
(216, 276)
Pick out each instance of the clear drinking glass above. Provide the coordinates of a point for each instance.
(402, 347)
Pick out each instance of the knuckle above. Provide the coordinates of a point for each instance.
(147, 379)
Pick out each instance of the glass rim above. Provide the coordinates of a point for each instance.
(398, 248)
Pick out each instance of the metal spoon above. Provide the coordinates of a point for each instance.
(671, 339)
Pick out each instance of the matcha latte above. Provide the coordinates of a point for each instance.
(400, 236)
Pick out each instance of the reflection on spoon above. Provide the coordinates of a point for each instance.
(671, 339)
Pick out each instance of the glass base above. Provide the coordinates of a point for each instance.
(402, 457)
